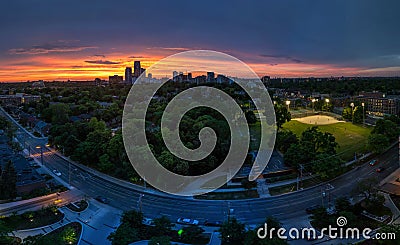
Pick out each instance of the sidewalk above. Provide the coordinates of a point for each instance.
(390, 183)
(395, 210)
(98, 221)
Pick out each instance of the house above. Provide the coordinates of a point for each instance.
(42, 128)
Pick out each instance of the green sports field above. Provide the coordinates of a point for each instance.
(351, 138)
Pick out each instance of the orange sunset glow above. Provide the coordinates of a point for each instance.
(61, 67)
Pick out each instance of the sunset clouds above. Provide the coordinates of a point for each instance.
(55, 40)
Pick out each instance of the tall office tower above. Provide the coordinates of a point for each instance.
(150, 75)
(143, 71)
(210, 76)
(174, 76)
(136, 69)
(128, 74)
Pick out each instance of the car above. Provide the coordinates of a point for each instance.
(380, 169)
(311, 209)
(214, 224)
(148, 222)
(30, 159)
(185, 221)
(102, 199)
(373, 162)
(56, 172)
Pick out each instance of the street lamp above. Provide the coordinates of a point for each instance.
(288, 103)
(41, 153)
(352, 112)
(327, 102)
(313, 101)
(363, 105)
(140, 202)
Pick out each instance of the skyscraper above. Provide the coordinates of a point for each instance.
(143, 71)
(210, 76)
(174, 76)
(128, 74)
(136, 69)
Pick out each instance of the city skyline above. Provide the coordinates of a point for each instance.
(285, 39)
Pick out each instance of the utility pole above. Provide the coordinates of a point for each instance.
(140, 202)
(69, 173)
(301, 177)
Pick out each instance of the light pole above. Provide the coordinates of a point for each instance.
(69, 174)
(140, 202)
(41, 153)
(288, 104)
(352, 112)
(363, 105)
(313, 101)
(327, 103)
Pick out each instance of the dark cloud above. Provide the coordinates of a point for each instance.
(102, 62)
(99, 55)
(60, 46)
(170, 48)
(345, 33)
(285, 57)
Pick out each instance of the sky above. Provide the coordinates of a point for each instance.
(82, 40)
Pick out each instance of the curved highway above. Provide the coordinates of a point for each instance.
(126, 196)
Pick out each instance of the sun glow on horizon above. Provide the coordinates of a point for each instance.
(63, 67)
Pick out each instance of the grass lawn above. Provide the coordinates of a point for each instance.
(351, 138)
(59, 236)
(33, 219)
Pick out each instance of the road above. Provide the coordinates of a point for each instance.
(254, 211)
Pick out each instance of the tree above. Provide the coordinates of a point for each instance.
(298, 154)
(133, 218)
(390, 229)
(252, 238)
(388, 128)
(162, 226)
(284, 139)
(326, 166)
(69, 235)
(358, 114)
(250, 117)
(367, 187)
(377, 142)
(347, 113)
(342, 204)
(160, 240)
(124, 235)
(232, 231)
(32, 240)
(8, 181)
(319, 141)
(4, 230)
(191, 234)
(59, 113)
(282, 115)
